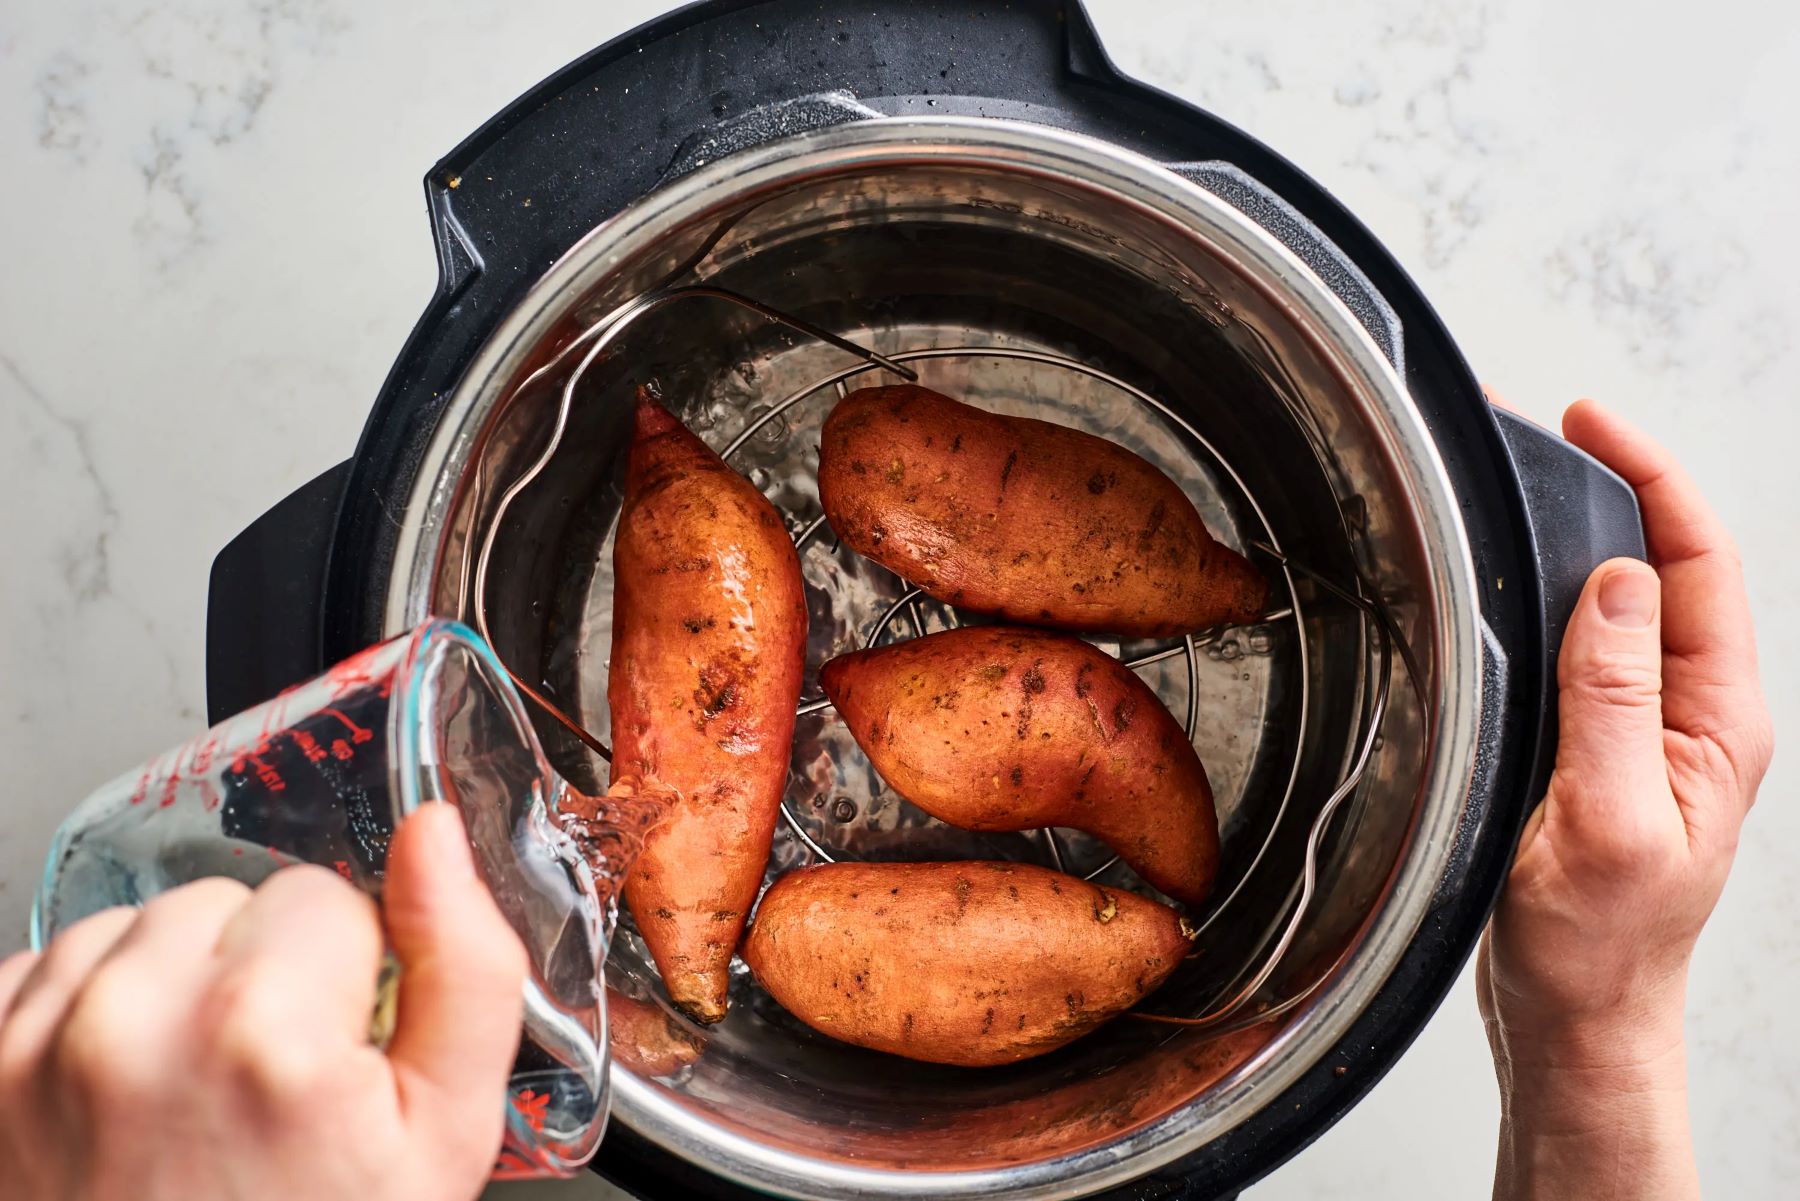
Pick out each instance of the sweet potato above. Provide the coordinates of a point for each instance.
(647, 1038)
(1031, 521)
(709, 635)
(1003, 728)
(960, 963)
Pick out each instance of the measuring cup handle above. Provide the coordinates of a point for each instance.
(266, 598)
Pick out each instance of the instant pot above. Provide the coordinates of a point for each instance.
(755, 206)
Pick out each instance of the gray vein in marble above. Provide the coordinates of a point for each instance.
(203, 80)
(1413, 153)
(172, 217)
(1356, 91)
(1639, 287)
(1259, 63)
(88, 573)
(62, 112)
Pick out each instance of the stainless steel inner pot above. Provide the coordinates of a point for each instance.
(1010, 251)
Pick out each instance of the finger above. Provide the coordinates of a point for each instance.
(13, 970)
(51, 983)
(462, 975)
(181, 926)
(1709, 677)
(1610, 704)
(310, 945)
(1677, 520)
(123, 1030)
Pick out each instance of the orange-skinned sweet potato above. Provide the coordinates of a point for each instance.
(709, 635)
(1003, 728)
(1031, 521)
(961, 963)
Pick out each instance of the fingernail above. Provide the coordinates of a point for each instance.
(1628, 597)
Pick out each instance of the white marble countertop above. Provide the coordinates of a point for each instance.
(212, 246)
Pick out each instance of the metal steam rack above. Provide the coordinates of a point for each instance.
(1236, 1005)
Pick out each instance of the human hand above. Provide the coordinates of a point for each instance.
(214, 1044)
(1664, 740)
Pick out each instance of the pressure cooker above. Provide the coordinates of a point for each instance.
(753, 206)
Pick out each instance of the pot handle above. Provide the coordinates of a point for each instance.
(1289, 226)
(265, 599)
(1581, 515)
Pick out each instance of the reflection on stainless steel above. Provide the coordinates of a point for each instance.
(1037, 274)
(1079, 1112)
(1374, 612)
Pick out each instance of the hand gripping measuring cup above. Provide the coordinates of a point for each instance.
(323, 774)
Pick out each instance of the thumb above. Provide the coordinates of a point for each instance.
(1610, 677)
(462, 978)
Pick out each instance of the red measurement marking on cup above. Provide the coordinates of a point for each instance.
(244, 758)
(171, 790)
(209, 796)
(270, 778)
(340, 750)
(512, 1166)
(278, 717)
(358, 735)
(343, 867)
(309, 746)
(519, 1158)
(534, 1107)
(204, 751)
(265, 725)
(141, 791)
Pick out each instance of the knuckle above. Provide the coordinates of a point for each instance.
(323, 895)
(1619, 856)
(73, 952)
(99, 1046)
(1615, 678)
(208, 892)
(1730, 760)
(245, 1035)
(180, 906)
(306, 880)
(1600, 831)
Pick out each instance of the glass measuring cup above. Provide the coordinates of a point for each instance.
(323, 774)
